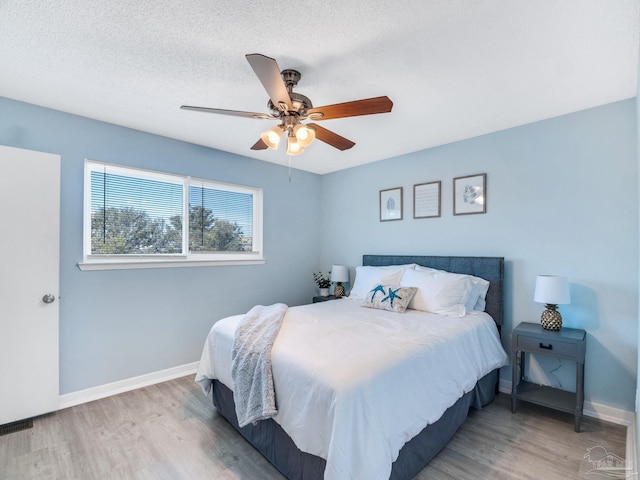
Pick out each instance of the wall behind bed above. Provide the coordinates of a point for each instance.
(562, 199)
(115, 325)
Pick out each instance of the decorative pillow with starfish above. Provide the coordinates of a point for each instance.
(389, 297)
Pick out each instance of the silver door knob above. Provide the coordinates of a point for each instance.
(48, 298)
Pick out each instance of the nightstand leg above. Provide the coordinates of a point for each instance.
(514, 381)
(517, 364)
(579, 394)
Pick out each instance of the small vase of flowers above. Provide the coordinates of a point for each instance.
(323, 282)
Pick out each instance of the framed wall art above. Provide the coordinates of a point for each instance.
(470, 194)
(426, 200)
(391, 204)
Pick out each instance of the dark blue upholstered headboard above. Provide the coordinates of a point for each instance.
(489, 268)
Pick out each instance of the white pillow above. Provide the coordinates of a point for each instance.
(479, 292)
(438, 291)
(412, 266)
(477, 297)
(368, 277)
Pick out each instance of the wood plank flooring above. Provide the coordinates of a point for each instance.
(171, 431)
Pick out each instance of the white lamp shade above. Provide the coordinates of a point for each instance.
(552, 289)
(339, 273)
(304, 135)
(272, 137)
(293, 147)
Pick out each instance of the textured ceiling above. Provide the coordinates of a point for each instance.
(454, 69)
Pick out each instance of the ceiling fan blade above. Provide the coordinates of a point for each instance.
(259, 145)
(368, 106)
(267, 70)
(235, 113)
(333, 139)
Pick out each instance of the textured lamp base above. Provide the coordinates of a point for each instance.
(551, 318)
(338, 291)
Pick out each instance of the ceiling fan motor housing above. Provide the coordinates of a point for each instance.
(291, 77)
(301, 103)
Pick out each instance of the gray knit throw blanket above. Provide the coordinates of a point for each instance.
(253, 391)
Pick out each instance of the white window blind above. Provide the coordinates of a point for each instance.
(135, 213)
(220, 220)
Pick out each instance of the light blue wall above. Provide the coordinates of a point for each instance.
(116, 325)
(562, 198)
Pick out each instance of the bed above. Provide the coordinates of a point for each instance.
(392, 418)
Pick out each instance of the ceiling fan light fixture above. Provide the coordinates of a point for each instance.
(272, 137)
(290, 108)
(304, 134)
(293, 146)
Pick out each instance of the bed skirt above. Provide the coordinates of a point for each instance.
(278, 448)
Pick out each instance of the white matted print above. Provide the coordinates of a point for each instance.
(470, 194)
(426, 200)
(391, 204)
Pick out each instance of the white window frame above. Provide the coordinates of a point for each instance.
(187, 259)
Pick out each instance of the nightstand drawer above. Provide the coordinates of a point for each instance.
(532, 344)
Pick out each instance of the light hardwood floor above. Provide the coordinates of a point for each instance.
(171, 431)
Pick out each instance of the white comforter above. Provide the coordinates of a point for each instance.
(354, 384)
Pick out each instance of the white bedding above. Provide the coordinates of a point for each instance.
(353, 384)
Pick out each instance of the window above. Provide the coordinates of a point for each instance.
(140, 218)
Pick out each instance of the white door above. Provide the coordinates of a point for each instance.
(29, 283)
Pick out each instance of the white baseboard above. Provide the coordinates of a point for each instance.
(590, 409)
(631, 454)
(608, 414)
(102, 391)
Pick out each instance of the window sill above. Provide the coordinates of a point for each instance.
(157, 263)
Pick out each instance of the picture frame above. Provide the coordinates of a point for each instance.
(391, 204)
(470, 194)
(427, 199)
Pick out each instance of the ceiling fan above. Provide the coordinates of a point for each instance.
(291, 108)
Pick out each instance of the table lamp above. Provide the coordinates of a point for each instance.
(339, 274)
(551, 290)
